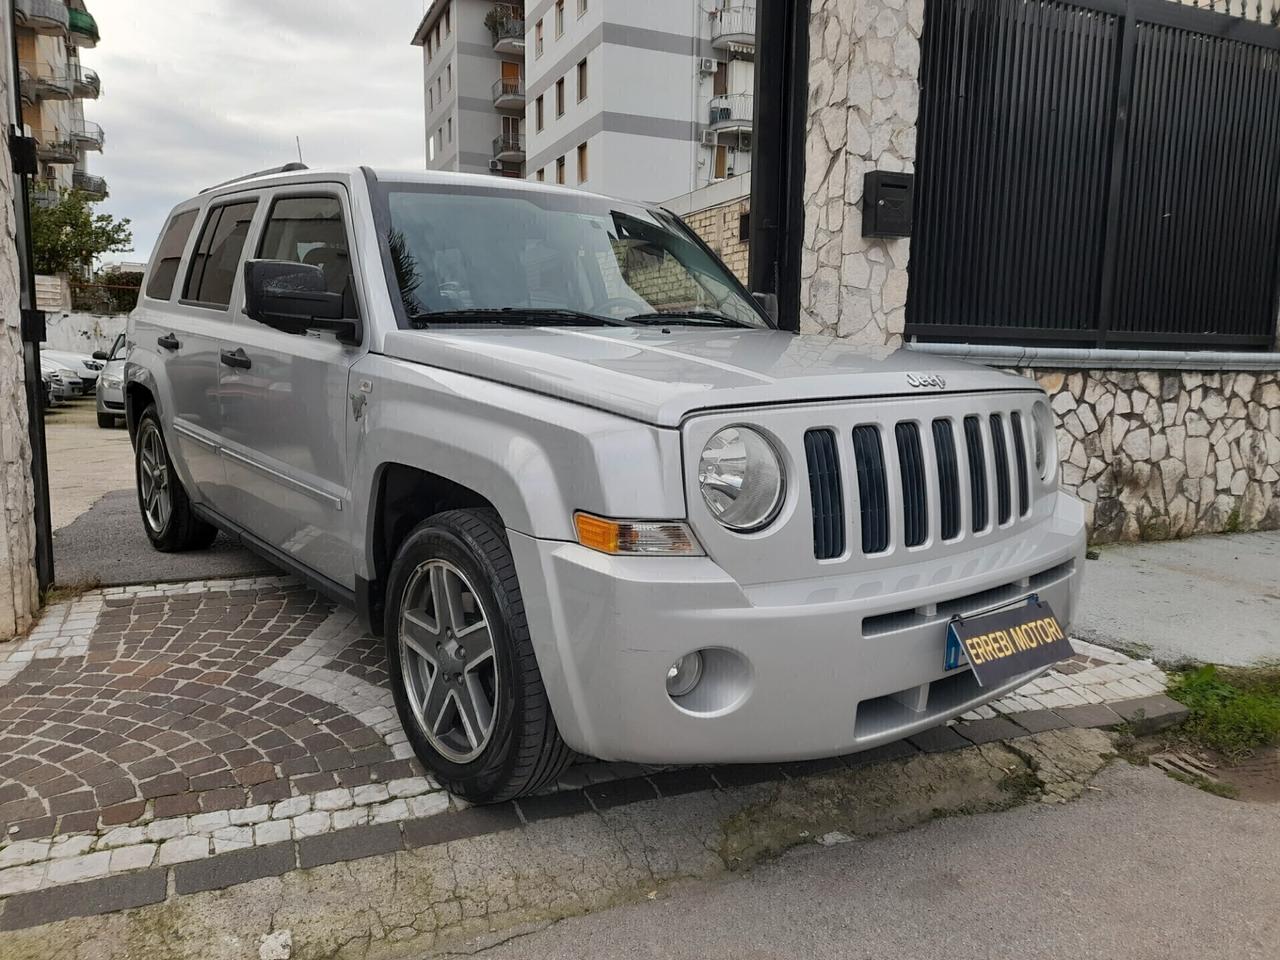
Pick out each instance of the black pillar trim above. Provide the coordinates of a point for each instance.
(777, 162)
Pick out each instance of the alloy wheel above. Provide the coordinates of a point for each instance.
(153, 478)
(450, 670)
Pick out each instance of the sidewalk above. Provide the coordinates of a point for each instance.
(148, 727)
(1214, 599)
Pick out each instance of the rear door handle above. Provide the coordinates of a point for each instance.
(237, 358)
(168, 341)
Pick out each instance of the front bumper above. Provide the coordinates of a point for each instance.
(110, 399)
(801, 670)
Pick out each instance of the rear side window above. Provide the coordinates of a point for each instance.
(311, 230)
(217, 255)
(169, 254)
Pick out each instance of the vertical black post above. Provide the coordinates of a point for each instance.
(1119, 158)
(22, 153)
(777, 161)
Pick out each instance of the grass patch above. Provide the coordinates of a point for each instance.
(1233, 711)
(62, 593)
(1216, 787)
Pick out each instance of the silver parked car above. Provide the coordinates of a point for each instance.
(592, 497)
(64, 384)
(110, 390)
(85, 367)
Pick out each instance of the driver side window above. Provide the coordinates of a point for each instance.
(311, 230)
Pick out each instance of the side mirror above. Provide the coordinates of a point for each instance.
(768, 302)
(101, 355)
(292, 297)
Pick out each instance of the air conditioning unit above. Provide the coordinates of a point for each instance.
(707, 65)
(495, 166)
(744, 142)
(710, 138)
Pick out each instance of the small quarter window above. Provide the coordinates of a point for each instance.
(164, 269)
(217, 257)
(311, 230)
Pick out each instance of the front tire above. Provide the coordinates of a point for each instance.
(462, 668)
(171, 525)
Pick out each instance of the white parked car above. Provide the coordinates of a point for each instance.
(110, 389)
(64, 383)
(84, 367)
(593, 498)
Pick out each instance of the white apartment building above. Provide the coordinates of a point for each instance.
(645, 100)
(473, 86)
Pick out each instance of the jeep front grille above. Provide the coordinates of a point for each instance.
(924, 469)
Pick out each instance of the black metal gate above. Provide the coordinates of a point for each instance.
(1099, 172)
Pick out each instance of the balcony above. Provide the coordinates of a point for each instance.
(85, 83)
(732, 113)
(45, 83)
(26, 84)
(734, 29)
(45, 194)
(48, 17)
(83, 28)
(507, 28)
(508, 93)
(87, 183)
(88, 135)
(56, 146)
(509, 147)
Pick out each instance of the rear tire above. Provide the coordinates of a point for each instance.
(510, 746)
(171, 525)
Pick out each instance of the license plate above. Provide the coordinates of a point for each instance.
(1007, 643)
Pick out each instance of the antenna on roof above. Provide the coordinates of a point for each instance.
(298, 140)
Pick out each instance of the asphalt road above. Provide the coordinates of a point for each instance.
(1142, 868)
(1214, 599)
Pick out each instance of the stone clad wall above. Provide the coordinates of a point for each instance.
(18, 594)
(1163, 454)
(864, 99)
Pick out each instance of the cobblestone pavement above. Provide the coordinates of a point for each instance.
(144, 727)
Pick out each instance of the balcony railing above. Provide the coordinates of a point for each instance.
(95, 187)
(735, 26)
(89, 135)
(55, 146)
(732, 112)
(43, 16)
(507, 27)
(84, 29)
(45, 195)
(47, 83)
(508, 146)
(85, 82)
(509, 92)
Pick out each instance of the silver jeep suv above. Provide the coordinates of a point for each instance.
(593, 498)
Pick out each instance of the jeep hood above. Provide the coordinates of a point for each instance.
(662, 377)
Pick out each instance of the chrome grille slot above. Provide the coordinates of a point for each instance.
(825, 492)
(944, 449)
(873, 488)
(1000, 447)
(915, 498)
(1020, 457)
(977, 471)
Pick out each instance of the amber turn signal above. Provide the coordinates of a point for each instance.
(670, 538)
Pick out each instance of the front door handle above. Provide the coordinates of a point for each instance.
(168, 341)
(237, 358)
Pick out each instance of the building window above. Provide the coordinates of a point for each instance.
(448, 73)
(582, 7)
(431, 149)
(542, 175)
(431, 98)
(539, 113)
(437, 33)
(560, 97)
(439, 89)
(559, 18)
(450, 128)
(428, 48)
(560, 170)
(744, 227)
(582, 163)
(582, 80)
(537, 39)
(448, 20)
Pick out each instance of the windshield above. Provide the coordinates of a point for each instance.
(470, 255)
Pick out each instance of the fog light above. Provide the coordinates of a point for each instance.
(684, 675)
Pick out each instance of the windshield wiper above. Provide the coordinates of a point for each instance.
(700, 316)
(514, 316)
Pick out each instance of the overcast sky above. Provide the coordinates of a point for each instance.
(198, 91)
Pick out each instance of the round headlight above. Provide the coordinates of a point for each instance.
(1044, 440)
(740, 476)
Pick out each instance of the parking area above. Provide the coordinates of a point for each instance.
(98, 538)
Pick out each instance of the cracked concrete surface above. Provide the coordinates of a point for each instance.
(464, 897)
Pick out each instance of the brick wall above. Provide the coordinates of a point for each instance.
(720, 228)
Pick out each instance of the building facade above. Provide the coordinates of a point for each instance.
(54, 87)
(473, 86)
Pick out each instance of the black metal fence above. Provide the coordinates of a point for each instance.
(1100, 172)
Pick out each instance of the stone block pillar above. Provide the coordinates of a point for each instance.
(864, 100)
(19, 597)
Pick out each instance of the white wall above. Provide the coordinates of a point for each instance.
(82, 332)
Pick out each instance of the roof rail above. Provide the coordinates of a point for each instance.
(286, 168)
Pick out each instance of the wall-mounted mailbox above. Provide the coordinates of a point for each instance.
(888, 201)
